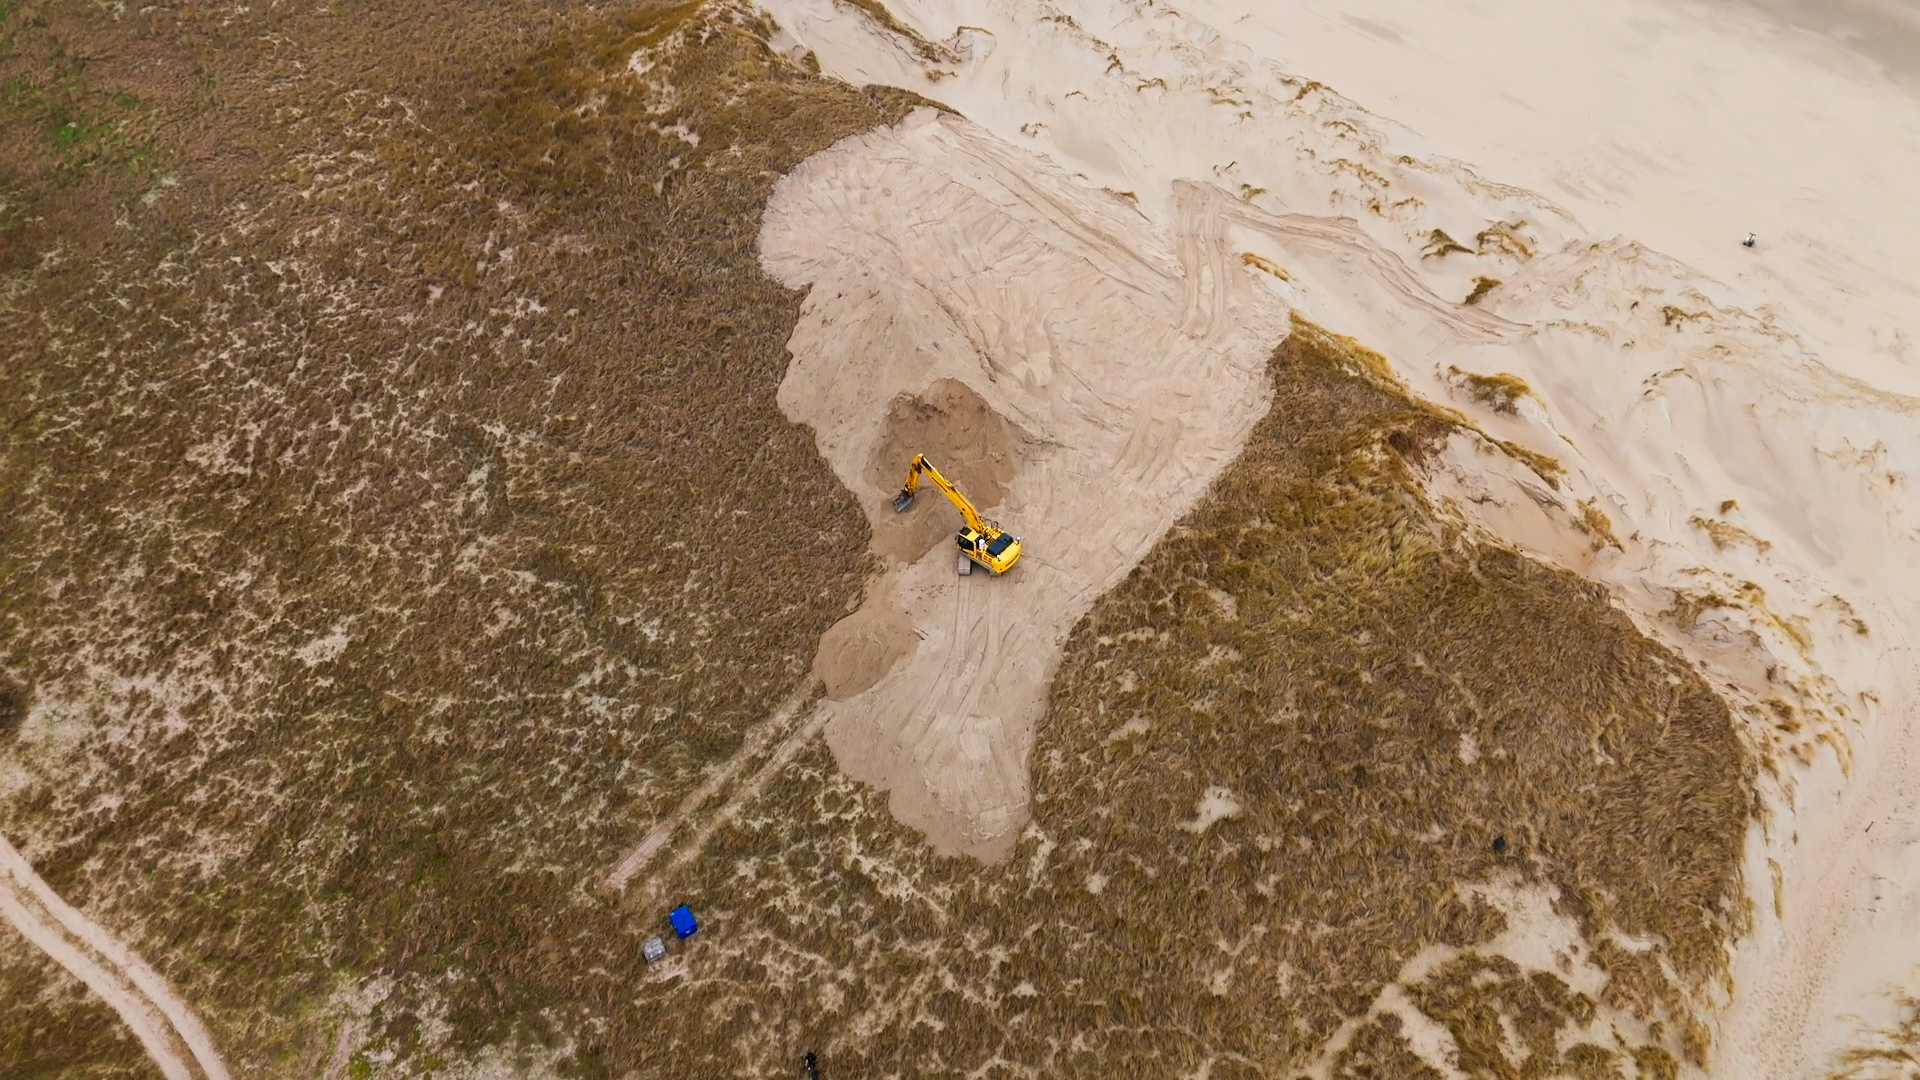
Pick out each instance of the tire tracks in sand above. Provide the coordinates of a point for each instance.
(772, 744)
(172, 1035)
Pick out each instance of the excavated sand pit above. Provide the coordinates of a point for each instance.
(969, 443)
(974, 447)
(1087, 377)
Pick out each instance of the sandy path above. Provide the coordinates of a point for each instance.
(934, 251)
(173, 1036)
(783, 753)
(751, 748)
(1748, 431)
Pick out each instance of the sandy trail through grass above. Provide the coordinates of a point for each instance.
(751, 747)
(173, 1036)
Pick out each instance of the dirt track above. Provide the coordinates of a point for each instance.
(172, 1035)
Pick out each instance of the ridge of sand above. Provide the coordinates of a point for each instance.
(169, 1031)
(1738, 447)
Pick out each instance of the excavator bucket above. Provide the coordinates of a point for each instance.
(902, 501)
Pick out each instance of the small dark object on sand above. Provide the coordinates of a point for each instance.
(1749, 241)
(1499, 845)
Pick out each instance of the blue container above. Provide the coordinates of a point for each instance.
(683, 921)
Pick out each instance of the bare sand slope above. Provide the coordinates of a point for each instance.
(1738, 444)
(169, 1031)
(935, 254)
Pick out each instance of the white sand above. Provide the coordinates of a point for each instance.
(1673, 370)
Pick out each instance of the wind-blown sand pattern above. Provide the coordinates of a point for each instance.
(1737, 459)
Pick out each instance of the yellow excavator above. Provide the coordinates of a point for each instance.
(980, 541)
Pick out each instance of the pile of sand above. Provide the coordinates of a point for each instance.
(971, 445)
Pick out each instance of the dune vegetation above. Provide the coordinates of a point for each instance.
(396, 521)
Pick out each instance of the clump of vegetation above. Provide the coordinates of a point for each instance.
(1500, 391)
(1726, 534)
(1481, 287)
(1440, 245)
(1595, 523)
(930, 51)
(1679, 317)
(1488, 1003)
(1504, 238)
(13, 706)
(1262, 263)
(1378, 1049)
(1894, 1053)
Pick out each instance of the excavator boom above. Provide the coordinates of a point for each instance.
(982, 541)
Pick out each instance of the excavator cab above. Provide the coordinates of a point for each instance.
(996, 553)
(979, 540)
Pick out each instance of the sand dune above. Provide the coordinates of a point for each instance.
(1737, 427)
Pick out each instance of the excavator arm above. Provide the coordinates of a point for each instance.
(907, 491)
(982, 541)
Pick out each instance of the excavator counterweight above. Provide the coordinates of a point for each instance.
(979, 540)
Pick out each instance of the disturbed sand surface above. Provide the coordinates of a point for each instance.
(934, 252)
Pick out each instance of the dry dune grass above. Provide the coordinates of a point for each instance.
(399, 506)
(1384, 699)
(67, 1031)
(1500, 391)
(1894, 1053)
(401, 503)
(1380, 699)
